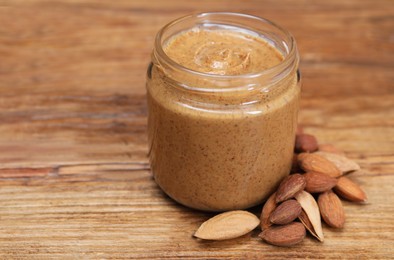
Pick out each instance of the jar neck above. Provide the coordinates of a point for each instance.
(196, 82)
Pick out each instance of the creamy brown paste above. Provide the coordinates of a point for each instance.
(222, 52)
(227, 158)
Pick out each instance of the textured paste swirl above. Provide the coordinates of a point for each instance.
(221, 52)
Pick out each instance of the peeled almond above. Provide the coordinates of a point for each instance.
(227, 225)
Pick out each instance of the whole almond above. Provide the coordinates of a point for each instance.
(305, 143)
(268, 208)
(286, 235)
(331, 209)
(289, 187)
(309, 205)
(329, 148)
(349, 190)
(317, 182)
(286, 212)
(228, 225)
(343, 163)
(312, 162)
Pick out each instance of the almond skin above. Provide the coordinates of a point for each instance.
(289, 187)
(344, 164)
(303, 217)
(286, 212)
(311, 162)
(268, 208)
(305, 143)
(331, 209)
(349, 190)
(286, 235)
(317, 182)
(309, 205)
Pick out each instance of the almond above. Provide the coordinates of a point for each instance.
(312, 162)
(289, 187)
(228, 225)
(268, 208)
(286, 235)
(311, 209)
(343, 163)
(286, 212)
(331, 209)
(349, 190)
(317, 182)
(305, 143)
(329, 148)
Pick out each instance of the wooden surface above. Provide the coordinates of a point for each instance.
(74, 177)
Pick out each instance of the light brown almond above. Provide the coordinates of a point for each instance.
(287, 235)
(331, 209)
(286, 212)
(344, 164)
(289, 187)
(349, 190)
(312, 162)
(268, 208)
(305, 143)
(309, 205)
(329, 148)
(317, 182)
(228, 225)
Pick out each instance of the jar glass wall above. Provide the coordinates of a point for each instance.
(222, 142)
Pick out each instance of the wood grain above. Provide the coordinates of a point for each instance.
(74, 176)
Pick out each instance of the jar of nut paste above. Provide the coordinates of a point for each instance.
(223, 95)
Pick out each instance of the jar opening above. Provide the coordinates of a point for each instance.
(274, 35)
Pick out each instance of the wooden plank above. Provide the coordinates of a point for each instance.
(74, 175)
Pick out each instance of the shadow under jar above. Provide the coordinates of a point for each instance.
(223, 95)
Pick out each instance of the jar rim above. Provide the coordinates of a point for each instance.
(290, 56)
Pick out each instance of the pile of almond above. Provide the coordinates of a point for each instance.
(310, 193)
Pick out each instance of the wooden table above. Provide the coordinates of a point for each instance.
(75, 181)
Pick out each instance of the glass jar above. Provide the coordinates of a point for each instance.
(222, 142)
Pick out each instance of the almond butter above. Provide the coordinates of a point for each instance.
(268, 208)
(289, 187)
(331, 209)
(228, 225)
(317, 182)
(286, 235)
(312, 162)
(309, 205)
(349, 190)
(286, 212)
(344, 164)
(329, 148)
(305, 143)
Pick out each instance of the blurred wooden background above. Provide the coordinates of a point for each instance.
(74, 176)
